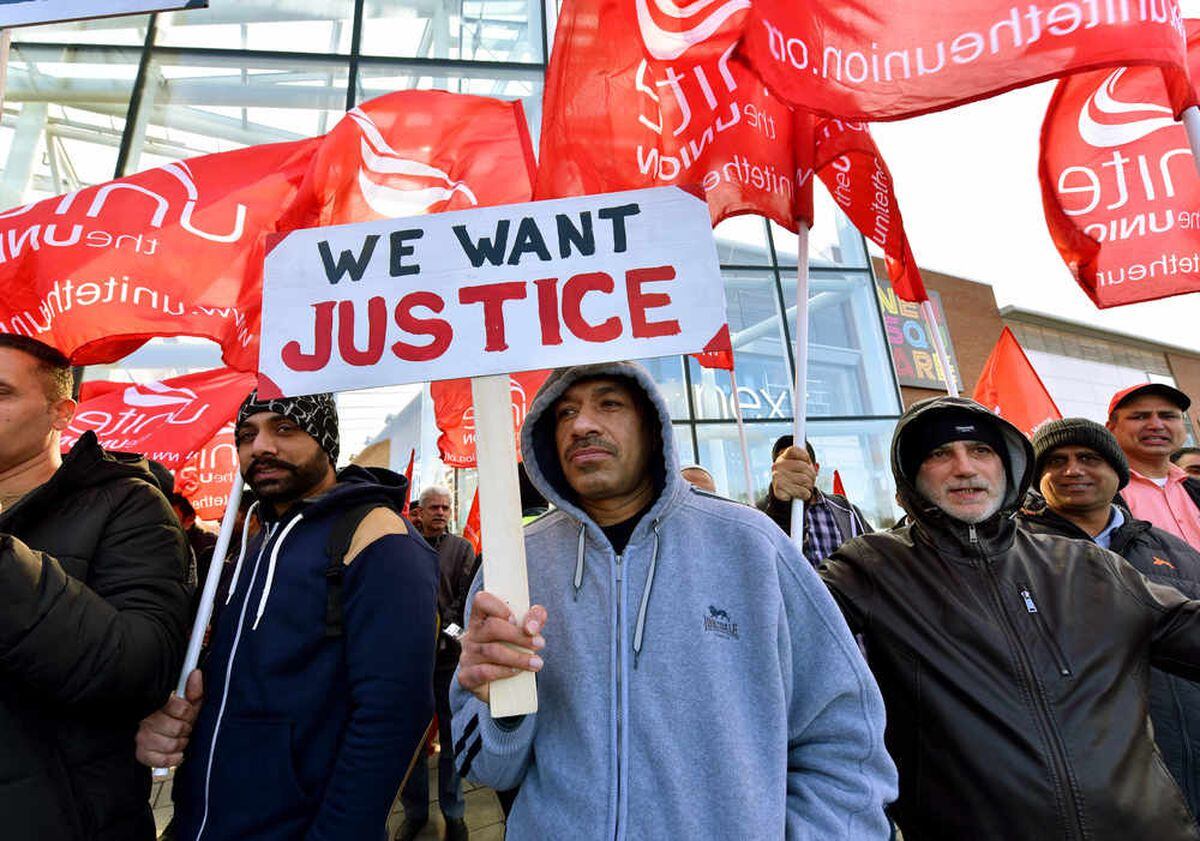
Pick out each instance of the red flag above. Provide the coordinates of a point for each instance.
(208, 475)
(415, 152)
(616, 118)
(838, 487)
(1119, 185)
(473, 531)
(178, 250)
(408, 472)
(168, 421)
(718, 353)
(1010, 387)
(866, 60)
(853, 170)
(454, 412)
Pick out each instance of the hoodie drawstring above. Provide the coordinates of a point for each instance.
(640, 629)
(579, 559)
(262, 603)
(237, 568)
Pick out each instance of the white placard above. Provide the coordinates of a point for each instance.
(490, 291)
(27, 12)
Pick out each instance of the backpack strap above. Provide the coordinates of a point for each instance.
(340, 538)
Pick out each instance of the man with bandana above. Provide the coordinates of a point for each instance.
(316, 694)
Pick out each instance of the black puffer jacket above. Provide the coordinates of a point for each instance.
(1015, 670)
(93, 610)
(1174, 702)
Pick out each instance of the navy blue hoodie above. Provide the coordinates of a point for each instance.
(304, 735)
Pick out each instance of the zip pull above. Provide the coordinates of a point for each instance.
(1029, 605)
(971, 535)
(618, 567)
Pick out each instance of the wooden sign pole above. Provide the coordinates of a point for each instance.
(504, 572)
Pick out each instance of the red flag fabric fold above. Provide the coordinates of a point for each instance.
(838, 487)
(1010, 387)
(169, 421)
(1119, 186)
(209, 474)
(866, 60)
(454, 413)
(473, 530)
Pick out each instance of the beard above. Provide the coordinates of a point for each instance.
(292, 482)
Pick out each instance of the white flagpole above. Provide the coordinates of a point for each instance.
(939, 347)
(1191, 125)
(741, 427)
(800, 392)
(209, 595)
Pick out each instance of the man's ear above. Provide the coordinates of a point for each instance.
(63, 411)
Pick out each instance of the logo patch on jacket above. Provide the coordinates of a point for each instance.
(718, 622)
(1159, 562)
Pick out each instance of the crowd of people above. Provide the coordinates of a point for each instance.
(1015, 659)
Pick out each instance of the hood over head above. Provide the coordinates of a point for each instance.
(541, 455)
(926, 420)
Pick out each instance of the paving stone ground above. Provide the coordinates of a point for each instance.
(484, 818)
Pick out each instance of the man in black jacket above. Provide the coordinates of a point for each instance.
(1080, 467)
(1014, 666)
(93, 614)
(456, 563)
(829, 518)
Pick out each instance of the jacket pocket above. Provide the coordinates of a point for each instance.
(1031, 608)
(254, 784)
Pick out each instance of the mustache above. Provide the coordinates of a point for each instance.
(592, 442)
(267, 462)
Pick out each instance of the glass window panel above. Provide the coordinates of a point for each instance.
(470, 30)
(126, 30)
(64, 111)
(763, 373)
(203, 104)
(849, 369)
(860, 451)
(833, 242)
(683, 443)
(298, 26)
(667, 372)
(721, 455)
(742, 241)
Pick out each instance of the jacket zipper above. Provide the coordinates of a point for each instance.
(1060, 660)
(1041, 707)
(620, 599)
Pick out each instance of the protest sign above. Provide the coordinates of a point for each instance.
(26, 12)
(910, 339)
(490, 291)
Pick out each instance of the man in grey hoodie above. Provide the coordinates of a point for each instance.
(695, 680)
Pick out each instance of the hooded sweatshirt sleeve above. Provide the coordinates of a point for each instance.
(118, 638)
(840, 776)
(390, 608)
(493, 752)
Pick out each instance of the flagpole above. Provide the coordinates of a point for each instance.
(741, 427)
(1191, 125)
(209, 595)
(939, 347)
(800, 391)
(5, 45)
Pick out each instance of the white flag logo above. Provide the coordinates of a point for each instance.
(669, 44)
(1109, 135)
(153, 395)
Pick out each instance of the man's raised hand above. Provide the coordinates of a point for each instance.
(488, 651)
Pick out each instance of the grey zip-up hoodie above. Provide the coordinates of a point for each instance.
(701, 685)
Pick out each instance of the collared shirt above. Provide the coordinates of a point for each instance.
(821, 535)
(1115, 520)
(1170, 507)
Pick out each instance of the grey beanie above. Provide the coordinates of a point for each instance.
(1079, 432)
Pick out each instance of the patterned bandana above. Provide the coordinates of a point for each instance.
(316, 414)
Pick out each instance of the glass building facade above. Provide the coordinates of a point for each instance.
(85, 102)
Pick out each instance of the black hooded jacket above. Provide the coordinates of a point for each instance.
(1015, 670)
(93, 616)
(1165, 559)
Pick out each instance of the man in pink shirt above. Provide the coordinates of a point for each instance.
(1147, 420)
